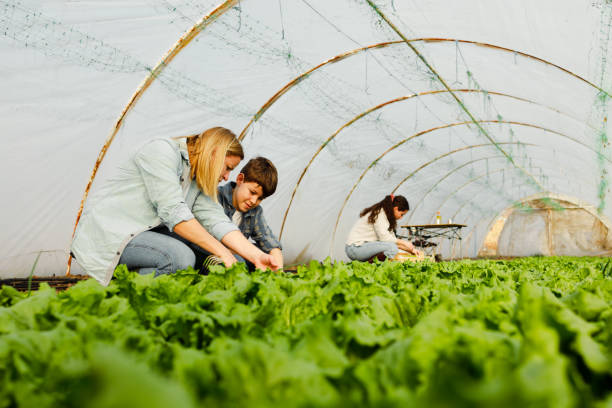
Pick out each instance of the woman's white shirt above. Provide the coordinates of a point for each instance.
(363, 231)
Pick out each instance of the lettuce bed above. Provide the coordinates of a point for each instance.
(528, 332)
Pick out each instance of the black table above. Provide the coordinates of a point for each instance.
(425, 235)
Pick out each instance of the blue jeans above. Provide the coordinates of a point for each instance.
(367, 250)
(152, 251)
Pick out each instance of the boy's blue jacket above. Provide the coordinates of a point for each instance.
(253, 224)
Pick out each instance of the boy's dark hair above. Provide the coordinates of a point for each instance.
(386, 205)
(261, 171)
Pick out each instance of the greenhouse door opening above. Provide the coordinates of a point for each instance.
(548, 226)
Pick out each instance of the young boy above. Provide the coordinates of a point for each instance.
(240, 201)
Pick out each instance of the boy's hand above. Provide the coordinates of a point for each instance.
(278, 255)
(265, 261)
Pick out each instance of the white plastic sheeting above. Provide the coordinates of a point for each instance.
(553, 227)
(487, 102)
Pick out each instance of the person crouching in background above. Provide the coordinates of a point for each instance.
(373, 235)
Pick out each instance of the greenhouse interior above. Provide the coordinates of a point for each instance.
(437, 231)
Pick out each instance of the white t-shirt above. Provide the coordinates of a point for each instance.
(237, 218)
(363, 231)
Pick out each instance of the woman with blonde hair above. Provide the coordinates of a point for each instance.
(144, 217)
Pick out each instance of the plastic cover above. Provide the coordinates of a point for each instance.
(464, 107)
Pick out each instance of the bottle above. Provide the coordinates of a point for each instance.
(438, 218)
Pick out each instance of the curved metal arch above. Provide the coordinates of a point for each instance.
(413, 173)
(469, 236)
(413, 212)
(494, 214)
(347, 54)
(443, 127)
(437, 183)
(456, 151)
(517, 201)
(408, 42)
(455, 214)
(333, 136)
(599, 154)
(460, 103)
(469, 182)
(490, 223)
(303, 76)
(472, 180)
(154, 72)
(554, 196)
(386, 103)
(464, 185)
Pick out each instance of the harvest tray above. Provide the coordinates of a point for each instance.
(56, 282)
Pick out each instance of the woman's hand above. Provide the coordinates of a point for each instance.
(414, 251)
(408, 247)
(194, 232)
(228, 259)
(237, 242)
(265, 261)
